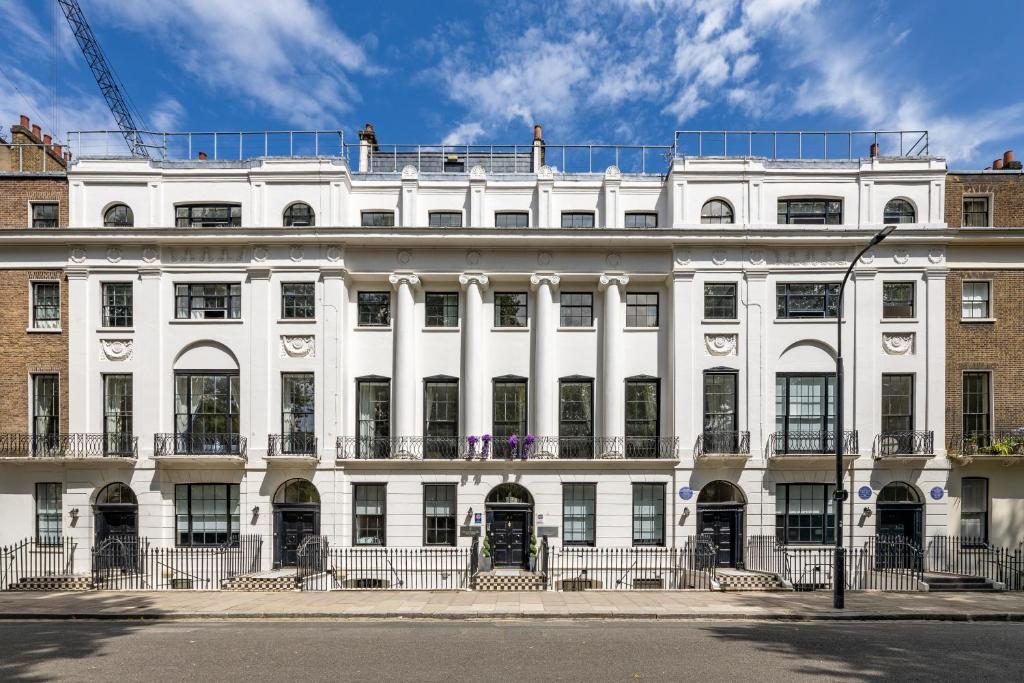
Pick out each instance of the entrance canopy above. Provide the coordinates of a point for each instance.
(721, 492)
(509, 494)
(116, 494)
(297, 492)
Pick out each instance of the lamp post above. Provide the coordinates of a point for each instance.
(840, 495)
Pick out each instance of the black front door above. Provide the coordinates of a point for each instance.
(291, 527)
(509, 537)
(116, 521)
(723, 526)
(898, 537)
(117, 538)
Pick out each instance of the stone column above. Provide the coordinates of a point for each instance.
(683, 337)
(473, 381)
(332, 345)
(613, 388)
(403, 381)
(544, 377)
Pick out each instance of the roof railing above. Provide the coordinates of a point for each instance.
(793, 145)
(215, 145)
(32, 157)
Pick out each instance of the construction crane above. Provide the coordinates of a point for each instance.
(105, 78)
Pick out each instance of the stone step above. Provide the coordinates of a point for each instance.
(735, 580)
(53, 583)
(944, 583)
(523, 581)
(272, 584)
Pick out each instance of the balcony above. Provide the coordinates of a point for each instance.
(1005, 447)
(903, 446)
(521, 448)
(722, 446)
(208, 447)
(112, 447)
(295, 447)
(811, 446)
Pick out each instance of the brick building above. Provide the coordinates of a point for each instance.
(984, 356)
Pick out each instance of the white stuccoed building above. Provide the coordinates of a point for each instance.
(660, 338)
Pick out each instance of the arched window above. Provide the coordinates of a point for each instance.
(900, 211)
(297, 491)
(116, 494)
(118, 216)
(899, 492)
(510, 493)
(721, 492)
(299, 215)
(716, 211)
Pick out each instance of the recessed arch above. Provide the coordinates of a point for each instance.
(807, 355)
(717, 210)
(206, 354)
(721, 492)
(116, 493)
(118, 215)
(509, 493)
(297, 491)
(899, 493)
(900, 210)
(299, 215)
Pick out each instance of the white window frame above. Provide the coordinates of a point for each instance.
(991, 300)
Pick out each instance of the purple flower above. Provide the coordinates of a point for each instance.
(530, 438)
(472, 441)
(513, 441)
(487, 438)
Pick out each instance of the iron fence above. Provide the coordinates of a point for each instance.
(810, 443)
(711, 443)
(296, 444)
(31, 559)
(691, 567)
(966, 556)
(801, 144)
(322, 567)
(68, 446)
(895, 444)
(1001, 443)
(128, 562)
(211, 444)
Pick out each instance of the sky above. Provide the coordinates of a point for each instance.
(478, 72)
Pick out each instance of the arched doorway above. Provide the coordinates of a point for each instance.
(117, 513)
(296, 516)
(720, 512)
(509, 525)
(900, 509)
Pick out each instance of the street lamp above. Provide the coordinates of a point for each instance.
(840, 495)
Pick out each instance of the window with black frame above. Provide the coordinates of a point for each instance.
(207, 515)
(374, 309)
(810, 211)
(511, 219)
(720, 408)
(377, 219)
(804, 514)
(208, 216)
(642, 424)
(509, 414)
(641, 309)
(298, 419)
(49, 506)
(510, 309)
(648, 514)
(577, 219)
(899, 211)
(118, 307)
(974, 509)
(805, 413)
(645, 220)
(45, 214)
(977, 407)
(118, 216)
(206, 413)
(576, 418)
(720, 300)
(369, 514)
(807, 299)
(576, 309)
(299, 215)
(716, 211)
(45, 414)
(298, 300)
(441, 418)
(445, 219)
(439, 516)
(208, 301)
(579, 514)
(373, 421)
(897, 413)
(46, 305)
(897, 300)
(117, 415)
(442, 309)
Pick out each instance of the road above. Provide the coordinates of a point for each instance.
(530, 651)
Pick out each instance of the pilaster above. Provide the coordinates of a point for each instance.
(404, 376)
(613, 388)
(473, 355)
(544, 378)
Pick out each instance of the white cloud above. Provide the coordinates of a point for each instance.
(465, 133)
(167, 115)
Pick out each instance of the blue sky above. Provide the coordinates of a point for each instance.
(612, 71)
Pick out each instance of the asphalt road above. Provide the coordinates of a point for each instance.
(519, 651)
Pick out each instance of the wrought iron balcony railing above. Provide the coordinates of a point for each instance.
(903, 444)
(521, 448)
(208, 444)
(722, 443)
(1001, 443)
(68, 446)
(379, 448)
(796, 444)
(652, 447)
(296, 444)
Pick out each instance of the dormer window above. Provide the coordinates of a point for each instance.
(299, 215)
(445, 219)
(810, 211)
(118, 216)
(208, 215)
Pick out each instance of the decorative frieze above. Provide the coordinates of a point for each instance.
(116, 349)
(298, 346)
(898, 343)
(721, 344)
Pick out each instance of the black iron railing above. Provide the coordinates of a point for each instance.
(652, 447)
(711, 443)
(966, 556)
(24, 563)
(128, 562)
(811, 443)
(324, 567)
(68, 446)
(208, 444)
(443, 447)
(895, 444)
(1008, 442)
(692, 567)
(295, 444)
(394, 447)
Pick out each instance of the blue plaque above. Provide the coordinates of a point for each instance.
(864, 492)
(478, 517)
(937, 493)
(686, 493)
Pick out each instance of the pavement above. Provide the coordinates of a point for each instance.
(377, 605)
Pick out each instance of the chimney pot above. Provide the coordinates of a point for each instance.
(538, 133)
(47, 139)
(1008, 157)
(37, 131)
(24, 121)
(202, 156)
(997, 165)
(67, 156)
(57, 149)
(874, 150)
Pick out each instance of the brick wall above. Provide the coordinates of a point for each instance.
(997, 347)
(25, 352)
(28, 153)
(1006, 189)
(16, 191)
